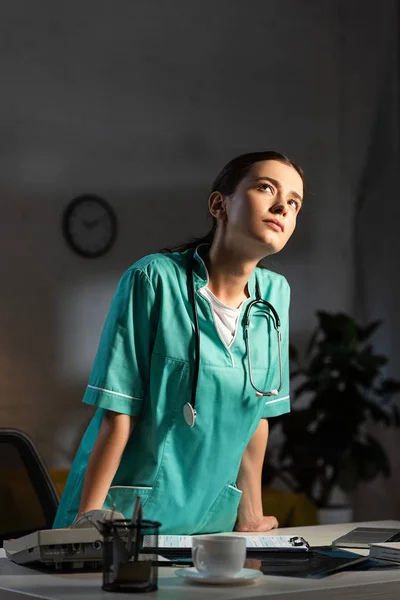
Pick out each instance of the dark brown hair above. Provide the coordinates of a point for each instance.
(227, 181)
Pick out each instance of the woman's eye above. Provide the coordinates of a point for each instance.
(294, 203)
(266, 186)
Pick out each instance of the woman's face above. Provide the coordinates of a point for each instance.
(262, 211)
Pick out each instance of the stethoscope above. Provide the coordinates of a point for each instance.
(189, 409)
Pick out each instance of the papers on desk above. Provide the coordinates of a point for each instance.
(386, 551)
(182, 543)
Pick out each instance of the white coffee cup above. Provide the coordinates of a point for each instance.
(221, 555)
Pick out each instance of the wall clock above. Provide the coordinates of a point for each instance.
(89, 225)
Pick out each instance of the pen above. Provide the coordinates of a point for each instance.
(138, 532)
(134, 523)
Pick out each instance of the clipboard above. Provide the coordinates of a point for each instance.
(257, 545)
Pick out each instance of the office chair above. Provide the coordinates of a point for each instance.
(28, 497)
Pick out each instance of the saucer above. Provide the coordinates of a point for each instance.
(192, 575)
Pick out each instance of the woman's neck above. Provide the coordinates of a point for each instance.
(229, 274)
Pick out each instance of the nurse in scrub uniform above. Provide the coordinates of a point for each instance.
(191, 364)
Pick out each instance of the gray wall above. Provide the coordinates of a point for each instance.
(143, 103)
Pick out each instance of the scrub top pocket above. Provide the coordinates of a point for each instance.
(223, 513)
(122, 498)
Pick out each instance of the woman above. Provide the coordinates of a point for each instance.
(187, 435)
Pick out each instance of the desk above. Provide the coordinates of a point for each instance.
(20, 583)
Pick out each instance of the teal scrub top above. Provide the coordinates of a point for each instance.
(186, 477)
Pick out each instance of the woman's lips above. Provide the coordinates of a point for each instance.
(275, 225)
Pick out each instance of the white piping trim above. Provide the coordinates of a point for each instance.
(93, 387)
(233, 487)
(278, 400)
(131, 487)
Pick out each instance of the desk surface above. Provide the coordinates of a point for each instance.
(18, 583)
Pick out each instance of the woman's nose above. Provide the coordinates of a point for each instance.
(279, 208)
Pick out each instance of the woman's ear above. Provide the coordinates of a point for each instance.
(217, 205)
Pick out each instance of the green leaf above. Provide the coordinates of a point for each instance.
(388, 388)
(364, 457)
(348, 475)
(365, 332)
(307, 386)
(297, 424)
(294, 374)
(378, 414)
(338, 328)
(378, 453)
(311, 342)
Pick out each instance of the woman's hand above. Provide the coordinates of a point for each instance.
(260, 524)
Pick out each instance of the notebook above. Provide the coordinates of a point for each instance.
(388, 551)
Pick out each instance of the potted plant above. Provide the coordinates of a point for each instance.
(340, 390)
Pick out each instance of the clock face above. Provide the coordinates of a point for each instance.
(89, 226)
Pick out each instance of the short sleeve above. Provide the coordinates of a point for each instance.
(279, 405)
(121, 369)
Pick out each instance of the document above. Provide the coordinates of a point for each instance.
(253, 542)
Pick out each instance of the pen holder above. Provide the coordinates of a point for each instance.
(130, 555)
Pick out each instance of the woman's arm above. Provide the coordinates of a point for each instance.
(104, 460)
(250, 514)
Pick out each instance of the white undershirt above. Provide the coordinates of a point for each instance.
(225, 317)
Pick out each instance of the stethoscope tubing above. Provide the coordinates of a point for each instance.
(191, 412)
(189, 409)
(277, 325)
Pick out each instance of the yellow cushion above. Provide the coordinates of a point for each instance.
(292, 509)
(59, 477)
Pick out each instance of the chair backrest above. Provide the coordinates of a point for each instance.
(28, 497)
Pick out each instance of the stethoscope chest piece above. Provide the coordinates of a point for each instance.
(189, 414)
